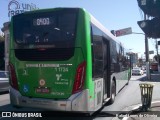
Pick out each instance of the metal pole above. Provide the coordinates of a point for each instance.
(147, 55)
(157, 49)
(146, 49)
(157, 54)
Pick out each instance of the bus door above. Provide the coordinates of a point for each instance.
(106, 66)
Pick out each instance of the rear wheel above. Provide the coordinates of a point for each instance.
(129, 77)
(113, 93)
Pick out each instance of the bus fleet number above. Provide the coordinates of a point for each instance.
(61, 69)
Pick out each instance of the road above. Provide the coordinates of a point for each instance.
(129, 95)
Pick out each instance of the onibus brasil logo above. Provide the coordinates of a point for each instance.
(15, 7)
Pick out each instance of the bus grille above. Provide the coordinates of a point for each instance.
(55, 54)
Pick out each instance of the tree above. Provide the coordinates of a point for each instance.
(150, 7)
(2, 62)
(151, 28)
(2, 38)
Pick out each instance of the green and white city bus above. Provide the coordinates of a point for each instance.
(63, 59)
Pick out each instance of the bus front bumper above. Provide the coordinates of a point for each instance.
(77, 102)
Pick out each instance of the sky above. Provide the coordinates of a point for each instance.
(112, 14)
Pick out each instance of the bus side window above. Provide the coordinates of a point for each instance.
(97, 52)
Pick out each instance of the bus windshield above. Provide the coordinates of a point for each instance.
(55, 29)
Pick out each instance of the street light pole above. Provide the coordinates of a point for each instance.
(146, 44)
(147, 54)
(157, 54)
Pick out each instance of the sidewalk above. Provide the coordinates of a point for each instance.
(133, 113)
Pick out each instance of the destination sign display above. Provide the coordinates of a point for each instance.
(41, 21)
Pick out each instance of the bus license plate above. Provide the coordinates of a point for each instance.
(42, 90)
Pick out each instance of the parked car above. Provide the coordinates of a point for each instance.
(143, 68)
(137, 71)
(4, 76)
(154, 66)
(4, 81)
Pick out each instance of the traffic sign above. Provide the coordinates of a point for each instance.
(150, 52)
(122, 32)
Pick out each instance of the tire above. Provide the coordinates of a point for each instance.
(113, 93)
(127, 83)
(129, 77)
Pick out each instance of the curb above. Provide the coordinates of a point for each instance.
(137, 106)
(130, 108)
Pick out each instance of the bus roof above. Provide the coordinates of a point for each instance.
(101, 27)
(106, 31)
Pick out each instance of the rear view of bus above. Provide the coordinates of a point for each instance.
(50, 62)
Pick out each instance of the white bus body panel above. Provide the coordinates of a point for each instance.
(78, 102)
(98, 102)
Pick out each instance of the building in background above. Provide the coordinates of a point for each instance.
(134, 59)
(5, 30)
